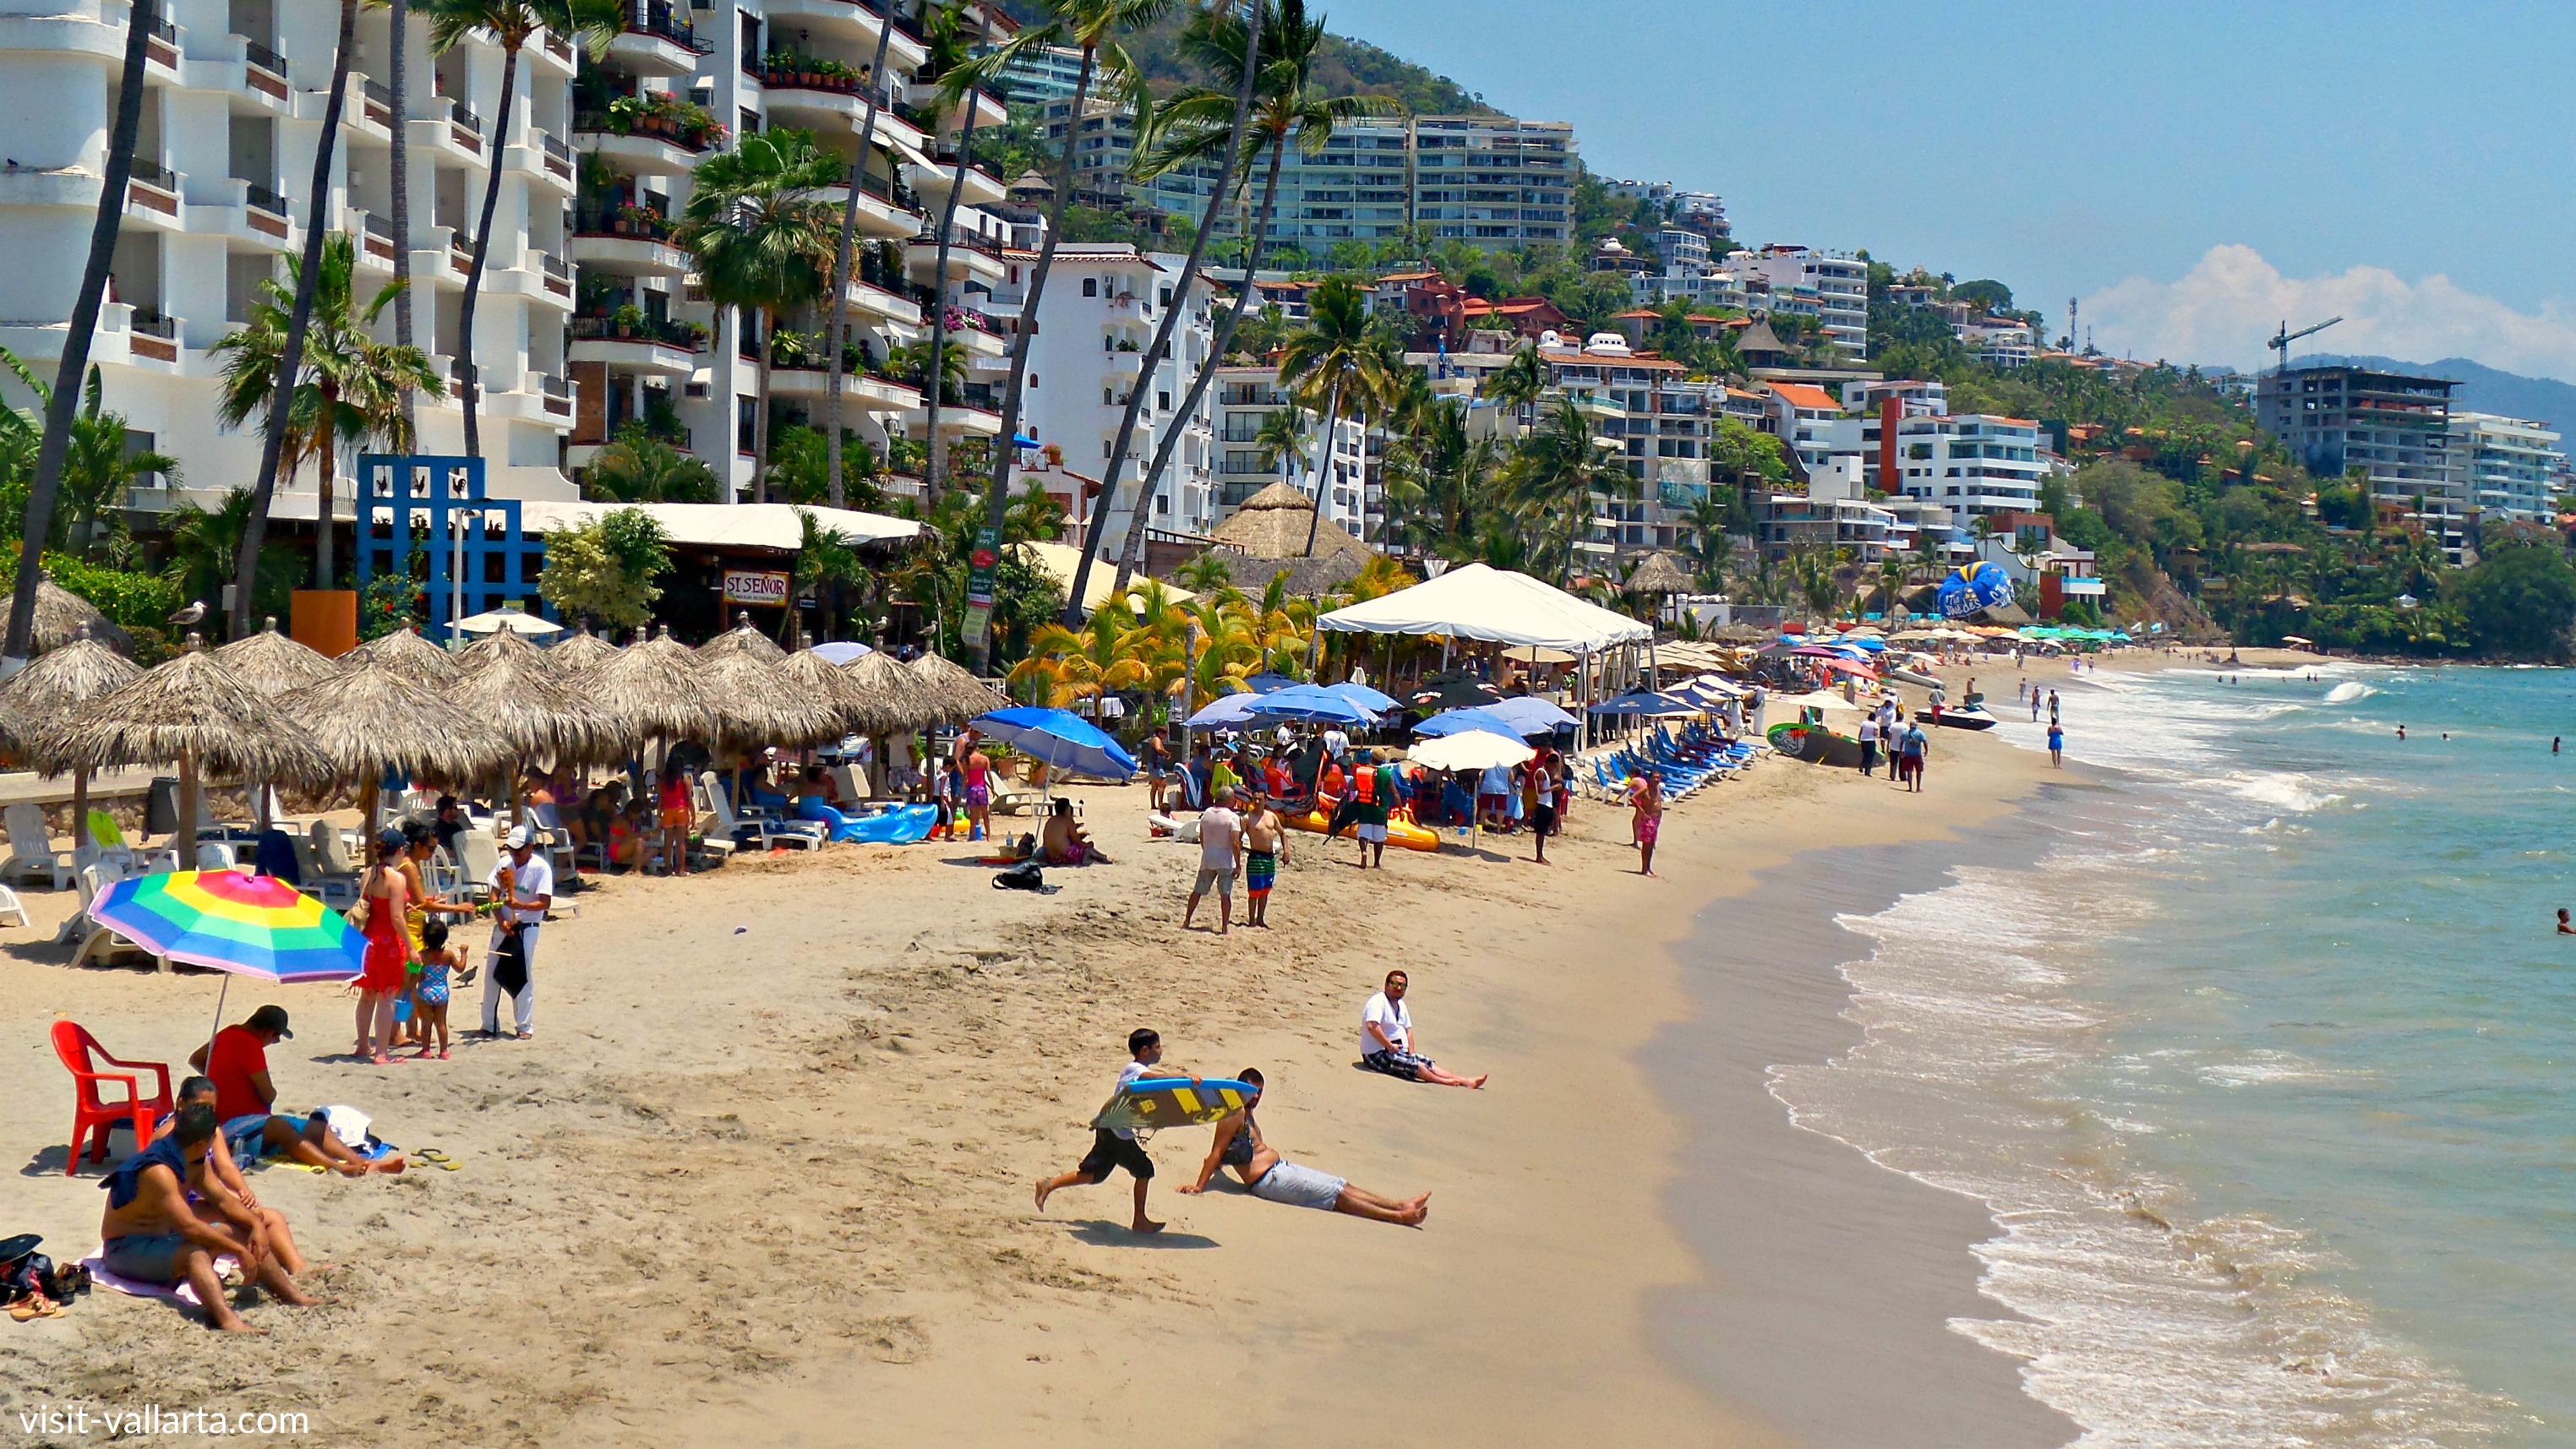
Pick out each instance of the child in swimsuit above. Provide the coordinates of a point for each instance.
(431, 989)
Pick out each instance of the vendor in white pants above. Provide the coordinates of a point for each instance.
(524, 884)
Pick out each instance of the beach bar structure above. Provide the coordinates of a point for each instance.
(1498, 606)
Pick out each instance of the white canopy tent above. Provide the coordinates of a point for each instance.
(1496, 606)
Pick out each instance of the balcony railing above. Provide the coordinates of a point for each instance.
(381, 228)
(463, 115)
(153, 173)
(560, 389)
(663, 330)
(380, 93)
(153, 324)
(264, 199)
(554, 148)
(960, 237)
(663, 23)
(554, 266)
(264, 58)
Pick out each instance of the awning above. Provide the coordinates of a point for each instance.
(774, 527)
(1482, 602)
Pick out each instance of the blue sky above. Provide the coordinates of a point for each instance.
(2194, 172)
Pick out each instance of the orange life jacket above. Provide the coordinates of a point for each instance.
(1364, 787)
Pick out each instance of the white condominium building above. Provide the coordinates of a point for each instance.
(231, 114)
(1833, 286)
(2513, 465)
(1245, 396)
(1972, 463)
(1103, 304)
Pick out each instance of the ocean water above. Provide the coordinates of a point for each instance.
(2267, 1067)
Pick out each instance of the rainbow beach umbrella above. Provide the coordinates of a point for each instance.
(235, 922)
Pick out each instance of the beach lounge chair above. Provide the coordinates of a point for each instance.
(31, 847)
(91, 879)
(94, 1115)
(329, 874)
(765, 834)
(716, 848)
(10, 906)
(478, 855)
(556, 841)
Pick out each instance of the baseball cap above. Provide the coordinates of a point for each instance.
(269, 1018)
(519, 837)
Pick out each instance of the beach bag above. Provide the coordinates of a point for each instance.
(23, 1270)
(510, 962)
(1026, 876)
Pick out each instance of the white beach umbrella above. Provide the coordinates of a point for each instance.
(494, 620)
(1469, 750)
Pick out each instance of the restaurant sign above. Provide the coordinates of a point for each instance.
(756, 586)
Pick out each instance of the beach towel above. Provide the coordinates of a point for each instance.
(96, 1264)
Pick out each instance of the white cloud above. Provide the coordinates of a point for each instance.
(2223, 310)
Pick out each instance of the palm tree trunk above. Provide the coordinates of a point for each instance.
(760, 412)
(997, 494)
(846, 268)
(1323, 461)
(329, 448)
(1127, 552)
(938, 381)
(291, 359)
(60, 407)
(1217, 197)
(399, 23)
(469, 373)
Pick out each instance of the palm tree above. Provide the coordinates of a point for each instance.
(352, 388)
(1282, 437)
(1517, 383)
(1337, 353)
(1554, 473)
(1249, 59)
(1075, 664)
(1093, 27)
(825, 559)
(1709, 547)
(1291, 107)
(845, 259)
(509, 24)
(911, 362)
(758, 229)
(640, 468)
(950, 50)
(98, 468)
(55, 443)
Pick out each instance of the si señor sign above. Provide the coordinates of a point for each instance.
(755, 586)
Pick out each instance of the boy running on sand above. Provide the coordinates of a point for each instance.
(1113, 1148)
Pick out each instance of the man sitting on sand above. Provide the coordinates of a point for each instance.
(1065, 842)
(245, 1101)
(1116, 1147)
(152, 1236)
(1274, 1178)
(218, 1183)
(1387, 1040)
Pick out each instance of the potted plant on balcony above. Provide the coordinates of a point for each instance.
(628, 320)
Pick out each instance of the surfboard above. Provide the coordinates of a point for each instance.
(1152, 1102)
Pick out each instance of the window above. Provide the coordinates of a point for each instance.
(1167, 296)
(1106, 400)
(1033, 381)
(1104, 455)
(745, 411)
(1163, 400)
(1091, 286)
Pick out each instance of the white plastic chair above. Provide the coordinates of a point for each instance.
(765, 834)
(31, 847)
(478, 855)
(9, 906)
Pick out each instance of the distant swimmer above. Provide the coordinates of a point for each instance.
(2564, 929)
(2401, 732)
(2553, 744)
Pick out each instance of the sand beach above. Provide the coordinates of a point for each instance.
(763, 1173)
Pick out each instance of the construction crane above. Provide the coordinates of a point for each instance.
(2282, 339)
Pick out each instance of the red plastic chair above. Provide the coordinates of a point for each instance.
(93, 1115)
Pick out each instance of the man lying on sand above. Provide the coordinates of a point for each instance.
(1114, 1148)
(151, 1235)
(1272, 1177)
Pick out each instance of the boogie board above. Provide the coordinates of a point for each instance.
(1151, 1102)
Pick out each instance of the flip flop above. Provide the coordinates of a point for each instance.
(436, 1158)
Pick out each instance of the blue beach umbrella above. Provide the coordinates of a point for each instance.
(1058, 739)
(1363, 696)
(1644, 704)
(1461, 721)
(1267, 682)
(1529, 714)
(1312, 703)
(1225, 711)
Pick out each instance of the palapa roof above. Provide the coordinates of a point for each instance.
(272, 663)
(508, 688)
(63, 616)
(745, 638)
(902, 699)
(1273, 522)
(959, 695)
(378, 718)
(652, 687)
(1307, 577)
(828, 684)
(749, 702)
(1658, 574)
(191, 706)
(404, 649)
(47, 693)
(579, 649)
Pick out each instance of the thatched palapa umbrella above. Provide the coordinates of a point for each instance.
(652, 688)
(507, 688)
(192, 710)
(376, 720)
(274, 665)
(404, 650)
(579, 650)
(63, 617)
(1658, 574)
(46, 695)
(745, 639)
(959, 695)
(902, 701)
(751, 704)
(810, 675)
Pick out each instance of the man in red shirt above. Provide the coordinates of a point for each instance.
(237, 1062)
